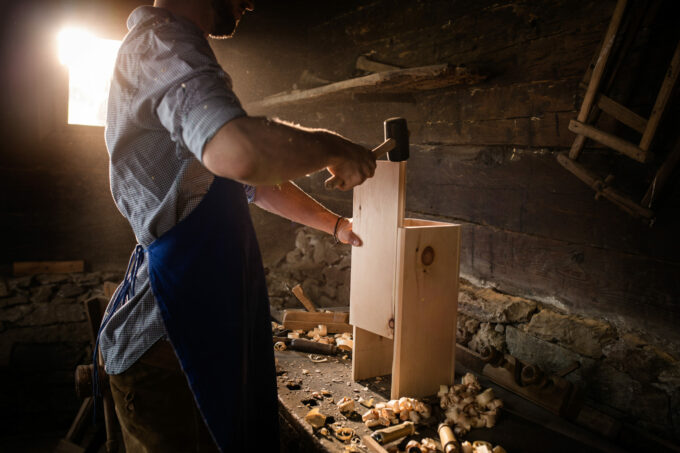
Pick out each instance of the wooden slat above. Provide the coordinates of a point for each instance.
(663, 175)
(299, 293)
(597, 184)
(610, 140)
(598, 72)
(46, 267)
(427, 304)
(378, 211)
(661, 100)
(372, 355)
(621, 113)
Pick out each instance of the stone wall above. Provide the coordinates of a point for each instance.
(629, 375)
(44, 335)
(318, 264)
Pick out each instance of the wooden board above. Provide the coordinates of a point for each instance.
(372, 355)
(378, 210)
(46, 267)
(392, 81)
(427, 303)
(335, 322)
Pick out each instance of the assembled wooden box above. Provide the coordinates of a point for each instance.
(404, 289)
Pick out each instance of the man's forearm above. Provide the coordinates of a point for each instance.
(259, 151)
(289, 201)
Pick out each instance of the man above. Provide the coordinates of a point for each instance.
(185, 159)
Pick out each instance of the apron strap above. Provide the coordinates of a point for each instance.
(123, 294)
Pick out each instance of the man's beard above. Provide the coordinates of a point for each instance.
(225, 22)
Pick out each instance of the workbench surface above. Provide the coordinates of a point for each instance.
(522, 427)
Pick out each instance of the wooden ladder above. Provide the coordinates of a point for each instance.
(595, 101)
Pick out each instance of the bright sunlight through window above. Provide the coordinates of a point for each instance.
(90, 63)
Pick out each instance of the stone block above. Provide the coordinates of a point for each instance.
(487, 336)
(641, 363)
(47, 314)
(88, 279)
(52, 279)
(489, 305)
(549, 357)
(69, 290)
(17, 299)
(4, 288)
(15, 313)
(584, 336)
(41, 294)
(20, 282)
(612, 388)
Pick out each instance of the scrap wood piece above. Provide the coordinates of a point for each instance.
(299, 293)
(335, 322)
(395, 81)
(369, 65)
(372, 444)
(21, 268)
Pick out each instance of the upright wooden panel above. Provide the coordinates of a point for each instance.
(378, 212)
(427, 302)
(372, 355)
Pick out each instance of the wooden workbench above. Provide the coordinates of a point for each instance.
(523, 427)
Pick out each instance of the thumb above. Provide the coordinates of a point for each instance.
(355, 240)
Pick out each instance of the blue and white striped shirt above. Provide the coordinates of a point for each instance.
(168, 97)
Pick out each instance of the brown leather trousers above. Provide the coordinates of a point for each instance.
(156, 408)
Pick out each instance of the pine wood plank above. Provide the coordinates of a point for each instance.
(378, 211)
(427, 304)
(372, 355)
(335, 322)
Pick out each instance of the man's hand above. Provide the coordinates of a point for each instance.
(356, 165)
(346, 235)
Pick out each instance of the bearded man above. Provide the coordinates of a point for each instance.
(186, 338)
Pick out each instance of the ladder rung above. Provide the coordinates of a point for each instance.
(621, 113)
(610, 140)
(601, 188)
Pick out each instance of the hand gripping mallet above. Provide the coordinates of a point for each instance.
(395, 145)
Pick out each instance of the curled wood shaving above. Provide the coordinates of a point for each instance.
(317, 358)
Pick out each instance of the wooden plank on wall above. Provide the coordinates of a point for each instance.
(596, 282)
(378, 210)
(527, 191)
(20, 268)
(427, 303)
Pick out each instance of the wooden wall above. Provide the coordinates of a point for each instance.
(484, 154)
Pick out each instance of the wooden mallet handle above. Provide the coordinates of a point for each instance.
(380, 150)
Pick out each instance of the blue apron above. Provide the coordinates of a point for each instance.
(206, 275)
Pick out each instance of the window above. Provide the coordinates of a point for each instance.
(90, 63)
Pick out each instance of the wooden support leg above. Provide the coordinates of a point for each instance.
(372, 355)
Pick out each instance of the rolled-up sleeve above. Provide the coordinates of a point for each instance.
(196, 97)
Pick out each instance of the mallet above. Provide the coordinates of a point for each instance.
(395, 145)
